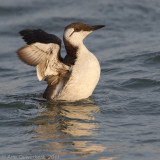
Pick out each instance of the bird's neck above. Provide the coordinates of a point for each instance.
(73, 51)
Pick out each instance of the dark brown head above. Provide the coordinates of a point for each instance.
(76, 32)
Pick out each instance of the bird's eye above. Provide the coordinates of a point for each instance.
(76, 29)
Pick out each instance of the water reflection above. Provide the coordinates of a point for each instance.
(69, 128)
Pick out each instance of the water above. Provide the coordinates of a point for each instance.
(121, 121)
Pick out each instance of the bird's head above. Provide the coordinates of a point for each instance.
(76, 32)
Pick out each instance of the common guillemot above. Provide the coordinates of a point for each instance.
(71, 78)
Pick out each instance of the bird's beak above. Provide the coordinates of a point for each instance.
(98, 27)
(89, 29)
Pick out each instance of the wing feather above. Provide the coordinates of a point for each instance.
(38, 35)
(43, 51)
(31, 54)
(41, 70)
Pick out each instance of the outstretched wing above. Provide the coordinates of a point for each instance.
(43, 51)
(39, 45)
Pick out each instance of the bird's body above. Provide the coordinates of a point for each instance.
(84, 77)
(72, 78)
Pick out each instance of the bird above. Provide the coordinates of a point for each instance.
(71, 78)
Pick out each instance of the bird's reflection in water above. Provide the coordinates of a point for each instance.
(69, 128)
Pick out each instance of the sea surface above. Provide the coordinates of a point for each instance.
(120, 121)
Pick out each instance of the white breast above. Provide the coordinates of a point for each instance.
(84, 78)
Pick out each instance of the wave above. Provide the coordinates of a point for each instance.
(138, 83)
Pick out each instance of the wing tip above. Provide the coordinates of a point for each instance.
(40, 73)
(21, 55)
(25, 31)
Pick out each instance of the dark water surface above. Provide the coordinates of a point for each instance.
(121, 121)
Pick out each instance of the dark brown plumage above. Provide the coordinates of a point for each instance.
(38, 35)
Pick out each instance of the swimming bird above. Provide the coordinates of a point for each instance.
(71, 78)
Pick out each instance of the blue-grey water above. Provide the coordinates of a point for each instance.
(121, 121)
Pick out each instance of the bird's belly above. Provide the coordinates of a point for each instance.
(82, 82)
